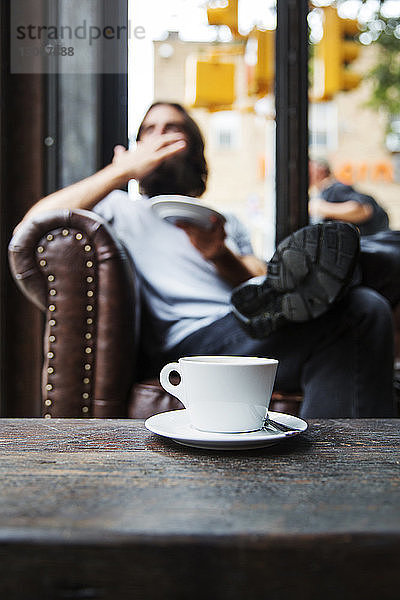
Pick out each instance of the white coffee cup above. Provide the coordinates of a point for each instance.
(225, 394)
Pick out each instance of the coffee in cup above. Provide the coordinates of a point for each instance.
(225, 394)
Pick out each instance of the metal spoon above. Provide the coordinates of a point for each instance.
(270, 424)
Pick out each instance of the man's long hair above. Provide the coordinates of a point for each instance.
(185, 173)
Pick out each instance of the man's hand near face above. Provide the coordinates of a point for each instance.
(148, 154)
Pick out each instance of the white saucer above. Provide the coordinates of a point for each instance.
(175, 425)
(184, 208)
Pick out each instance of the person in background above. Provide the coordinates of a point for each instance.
(333, 200)
(333, 341)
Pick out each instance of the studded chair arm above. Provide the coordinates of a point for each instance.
(71, 266)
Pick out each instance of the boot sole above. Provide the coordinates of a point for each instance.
(309, 271)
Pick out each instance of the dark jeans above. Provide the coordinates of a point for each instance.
(343, 361)
(380, 263)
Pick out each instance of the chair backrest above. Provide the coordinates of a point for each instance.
(71, 266)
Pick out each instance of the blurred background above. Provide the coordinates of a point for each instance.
(218, 58)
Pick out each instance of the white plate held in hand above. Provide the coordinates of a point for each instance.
(185, 209)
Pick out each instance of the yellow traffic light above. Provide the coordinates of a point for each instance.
(336, 50)
(265, 67)
(224, 12)
(210, 83)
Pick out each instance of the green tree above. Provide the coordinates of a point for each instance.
(384, 33)
(385, 75)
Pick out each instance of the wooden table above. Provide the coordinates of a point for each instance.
(104, 509)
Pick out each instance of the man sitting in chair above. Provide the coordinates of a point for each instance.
(207, 293)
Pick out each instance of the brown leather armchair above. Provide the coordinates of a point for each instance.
(71, 266)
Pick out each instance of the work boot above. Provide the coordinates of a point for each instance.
(310, 270)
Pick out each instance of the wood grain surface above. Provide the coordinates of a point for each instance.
(105, 509)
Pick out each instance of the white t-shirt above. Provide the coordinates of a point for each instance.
(183, 291)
